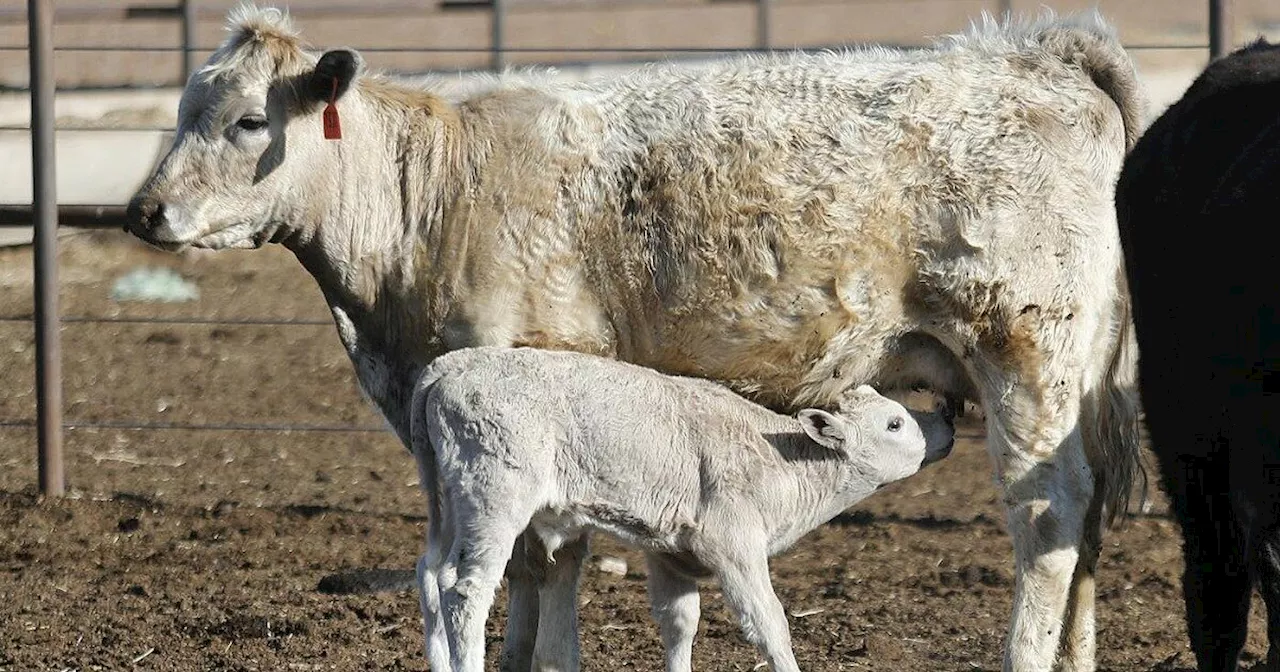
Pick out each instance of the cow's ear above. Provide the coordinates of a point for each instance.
(334, 73)
(825, 429)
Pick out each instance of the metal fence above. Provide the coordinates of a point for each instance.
(45, 212)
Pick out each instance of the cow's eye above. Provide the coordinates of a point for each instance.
(895, 424)
(252, 122)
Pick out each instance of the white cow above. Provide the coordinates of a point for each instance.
(793, 225)
(704, 481)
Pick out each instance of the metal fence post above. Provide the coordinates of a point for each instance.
(497, 37)
(764, 23)
(44, 206)
(1219, 27)
(188, 9)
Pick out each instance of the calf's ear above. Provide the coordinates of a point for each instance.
(825, 429)
(334, 73)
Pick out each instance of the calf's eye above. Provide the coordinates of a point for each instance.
(895, 424)
(252, 123)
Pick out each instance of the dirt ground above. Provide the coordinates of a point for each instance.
(203, 550)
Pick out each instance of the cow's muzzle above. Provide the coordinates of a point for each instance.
(143, 216)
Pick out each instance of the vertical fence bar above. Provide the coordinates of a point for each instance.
(497, 37)
(44, 208)
(764, 23)
(188, 10)
(1219, 27)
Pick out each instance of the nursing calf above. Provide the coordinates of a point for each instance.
(705, 482)
(1197, 199)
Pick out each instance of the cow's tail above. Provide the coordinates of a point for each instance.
(1112, 410)
(1089, 42)
(1112, 416)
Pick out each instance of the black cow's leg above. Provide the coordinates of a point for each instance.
(1216, 584)
(1268, 565)
(1256, 482)
(1262, 501)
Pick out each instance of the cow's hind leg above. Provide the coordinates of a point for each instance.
(1046, 496)
(1216, 583)
(1258, 497)
(1079, 639)
(1038, 452)
(1268, 561)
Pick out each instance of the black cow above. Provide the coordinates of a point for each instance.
(1198, 203)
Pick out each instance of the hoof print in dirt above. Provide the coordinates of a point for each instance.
(359, 581)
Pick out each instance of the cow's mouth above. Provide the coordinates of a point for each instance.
(150, 239)
(236, 235)
(223, 238)
(162, 237)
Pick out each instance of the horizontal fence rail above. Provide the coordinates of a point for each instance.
(210, 427)
(383, 8)
(211, 321)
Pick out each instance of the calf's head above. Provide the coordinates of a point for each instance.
(249, 155)
(881, 435)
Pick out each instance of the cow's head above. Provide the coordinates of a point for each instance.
(249, 152)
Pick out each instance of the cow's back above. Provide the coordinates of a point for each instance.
(778, 222)
(1196, 203)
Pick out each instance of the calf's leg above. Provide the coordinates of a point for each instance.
(674, 599)
(469, 579)
(522, 611)
(556, 648)
(749, 593)
(433, 630)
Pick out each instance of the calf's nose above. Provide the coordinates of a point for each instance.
(934, 453)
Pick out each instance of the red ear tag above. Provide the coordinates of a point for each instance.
(332, 125)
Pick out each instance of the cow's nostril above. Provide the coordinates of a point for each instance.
(144, 214)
